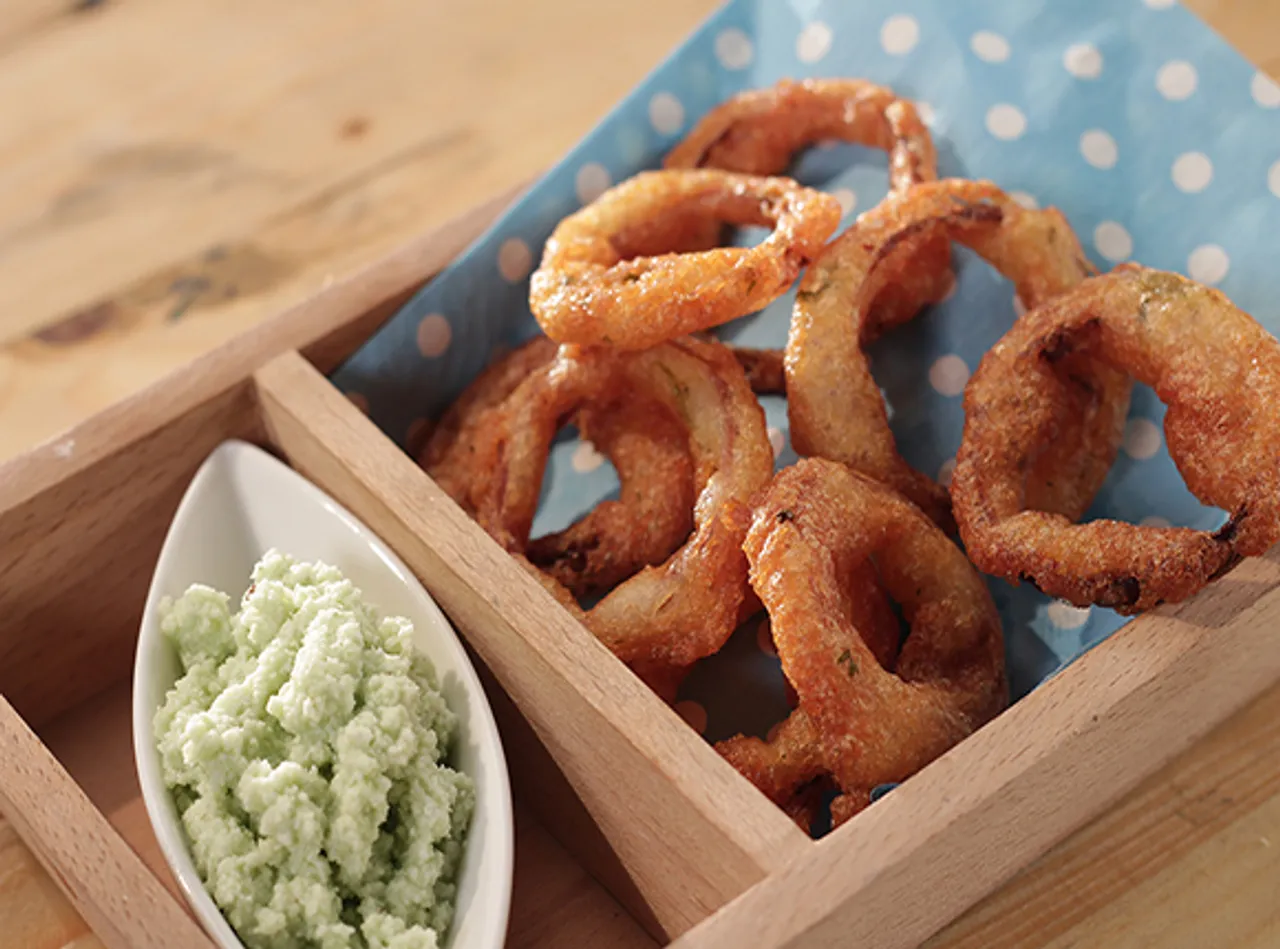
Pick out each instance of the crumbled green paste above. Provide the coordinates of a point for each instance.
(305, 745)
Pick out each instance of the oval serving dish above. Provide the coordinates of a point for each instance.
(241, 503)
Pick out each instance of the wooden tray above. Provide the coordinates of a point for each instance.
(644, 804)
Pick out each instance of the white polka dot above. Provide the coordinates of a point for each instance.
(764, 638)
(1028, 201)
(1083, 61)
(946, 471)
(989, 47)
(1006, 121)
(848, 200)
(359, 400)
(1176, 80)
(1159, 4)
(514, 260)
(1112, 240)
(585, 458)
(1065, 616)
(1099, 148)
(1019, 307)
(1141, 438)
(734, 48)
(591, 181)
(927, 114)
(948, 375)
(777, 441)
(1208, 263)
(1155, 520)
(693, 713)
(666, 113)
(899, 34)
(1192, 172)
(1266, 91)
(814, 42)
(434, 335)
(1273, 179)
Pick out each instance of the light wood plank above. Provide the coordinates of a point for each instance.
(1200, 819)
(88, 512)
(691, 832)
(261, 107)
(296, 141)
(553, 897)
(106, 882)
(36, 915)
(113, 347)
(555, 903)
(1226, 896)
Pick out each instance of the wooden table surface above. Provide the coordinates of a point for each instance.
(173, 171)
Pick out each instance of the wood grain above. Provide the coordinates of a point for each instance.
(144, 222)
(88, 511)
(905, 867)
(1189, 859)
(554, 899)
(690, 831)
(103, 879)
(554, 903)
(36, 914)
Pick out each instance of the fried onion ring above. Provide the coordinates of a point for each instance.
(835, 408)
(858, 721)
(757, 132)
(687, 607)
(646, 443)
(787, 766)
(601, 282)
(448, 453)
(1218, 372)
(653, 515)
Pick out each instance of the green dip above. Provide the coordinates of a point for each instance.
(305, 747)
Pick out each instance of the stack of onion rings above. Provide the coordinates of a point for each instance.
(1218, 372)
(685, 608)
(609, 277)
(835, 408)
(703, 535)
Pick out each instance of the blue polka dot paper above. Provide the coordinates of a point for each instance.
(1158, 142)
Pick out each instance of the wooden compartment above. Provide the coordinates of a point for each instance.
(691, 849)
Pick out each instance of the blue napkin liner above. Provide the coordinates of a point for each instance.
(1154, 137)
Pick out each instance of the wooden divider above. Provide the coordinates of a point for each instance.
(105, 881)
(689, 830)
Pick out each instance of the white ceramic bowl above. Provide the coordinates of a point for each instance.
(241, 503)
